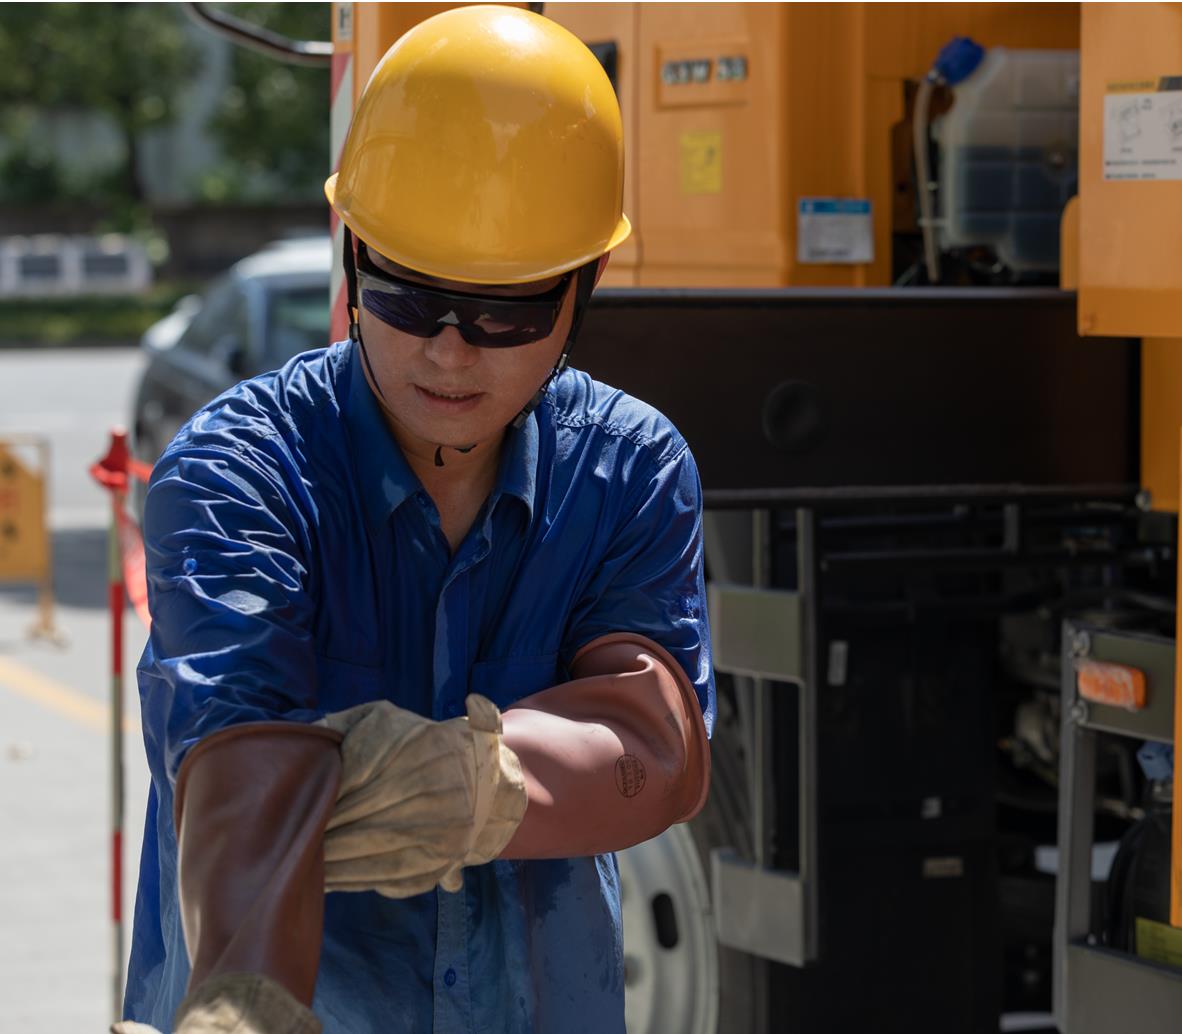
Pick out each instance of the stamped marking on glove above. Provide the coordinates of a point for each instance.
(630, 775)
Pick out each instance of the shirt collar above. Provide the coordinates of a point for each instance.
(518, 474)
(386, 480)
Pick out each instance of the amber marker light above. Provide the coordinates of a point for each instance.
(1116, 685)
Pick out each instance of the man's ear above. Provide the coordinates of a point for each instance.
(603, 259)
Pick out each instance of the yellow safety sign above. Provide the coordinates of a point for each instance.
(701, 162)
(24, 540)
(25, 554)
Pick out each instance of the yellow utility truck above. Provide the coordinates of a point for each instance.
(908, 277)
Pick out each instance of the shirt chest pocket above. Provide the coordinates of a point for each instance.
(506, 681)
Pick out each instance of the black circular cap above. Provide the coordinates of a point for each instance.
(793, 417)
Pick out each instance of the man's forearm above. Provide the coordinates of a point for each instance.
(252, 803)
(613, 757)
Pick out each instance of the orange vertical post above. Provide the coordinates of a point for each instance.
(111, 472)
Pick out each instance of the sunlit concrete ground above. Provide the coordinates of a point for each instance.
(56, 940)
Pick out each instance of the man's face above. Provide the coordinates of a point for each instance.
(442, 390)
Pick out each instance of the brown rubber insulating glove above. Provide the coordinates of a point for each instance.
(611, 758)
(252, 802)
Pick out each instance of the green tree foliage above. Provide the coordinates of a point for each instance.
(272, 123)
(127, 60)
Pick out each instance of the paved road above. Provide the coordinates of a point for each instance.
(55, 930)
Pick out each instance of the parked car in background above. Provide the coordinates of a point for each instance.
(265, 309)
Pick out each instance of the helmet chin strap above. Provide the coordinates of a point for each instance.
(584, 285)
(465, 449)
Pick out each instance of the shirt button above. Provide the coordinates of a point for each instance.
(449, 978)
(451, 711)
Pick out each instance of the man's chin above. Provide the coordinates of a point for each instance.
(464, 439)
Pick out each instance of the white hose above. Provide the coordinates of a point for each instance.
(919, 132)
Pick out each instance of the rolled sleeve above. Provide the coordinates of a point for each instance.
(228, 589)
(651, 579)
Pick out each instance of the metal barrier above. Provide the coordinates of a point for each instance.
(1097, 989)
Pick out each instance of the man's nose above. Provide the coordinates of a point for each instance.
(449, 350)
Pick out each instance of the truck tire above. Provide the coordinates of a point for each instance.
(676, 975)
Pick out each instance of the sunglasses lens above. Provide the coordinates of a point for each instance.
(502, 331)
(488, 322)
(402, 311)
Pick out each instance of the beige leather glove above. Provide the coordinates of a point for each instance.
(236, 1003)
(419, 799)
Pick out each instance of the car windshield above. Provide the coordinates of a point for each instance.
(297, 320)
(222, 315)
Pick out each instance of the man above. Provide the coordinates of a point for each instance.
(436, 516)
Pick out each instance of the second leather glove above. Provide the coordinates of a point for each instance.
(419, 799)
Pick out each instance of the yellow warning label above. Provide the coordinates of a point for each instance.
(1159, 942)
(24, 539)
(1132, 86)
(701, 162)
(1162, 84)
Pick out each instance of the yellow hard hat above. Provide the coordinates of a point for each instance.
(486, 148)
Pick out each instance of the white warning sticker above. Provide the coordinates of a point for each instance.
(834, 230)
(1143, 130)
(343, 22)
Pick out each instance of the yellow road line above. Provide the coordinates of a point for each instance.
(44, 691)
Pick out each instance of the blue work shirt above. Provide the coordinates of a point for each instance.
(297, 567)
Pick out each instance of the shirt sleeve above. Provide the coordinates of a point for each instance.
(231, 640)
(651, 579)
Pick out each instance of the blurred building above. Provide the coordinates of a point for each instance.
(204, 235)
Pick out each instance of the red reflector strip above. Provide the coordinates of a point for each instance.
(1116, 685)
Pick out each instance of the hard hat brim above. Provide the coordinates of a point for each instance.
(492, 270)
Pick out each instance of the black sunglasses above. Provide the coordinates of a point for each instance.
(482, 320)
